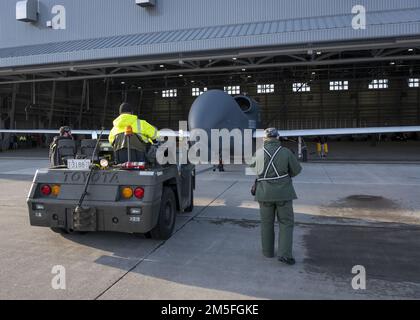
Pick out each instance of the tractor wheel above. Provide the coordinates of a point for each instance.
(167, 216)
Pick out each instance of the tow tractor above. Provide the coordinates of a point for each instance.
(88, 195)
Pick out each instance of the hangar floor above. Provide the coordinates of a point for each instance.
(339, 151)
(365, 151)
(347, 215)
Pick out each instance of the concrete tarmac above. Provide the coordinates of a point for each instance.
(346, 215)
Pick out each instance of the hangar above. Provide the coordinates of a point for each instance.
(310, 64)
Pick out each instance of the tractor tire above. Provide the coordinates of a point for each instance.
(167, 216)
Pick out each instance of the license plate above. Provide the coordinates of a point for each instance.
(78, 164)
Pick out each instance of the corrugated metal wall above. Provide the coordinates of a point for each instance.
(93, 18)
(294, 22)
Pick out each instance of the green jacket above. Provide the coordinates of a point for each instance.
(286, 165)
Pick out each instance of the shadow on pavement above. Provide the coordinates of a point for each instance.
(224, 254)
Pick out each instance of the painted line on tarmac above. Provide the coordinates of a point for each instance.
(163, 242)
(21, 172)
(24, 158)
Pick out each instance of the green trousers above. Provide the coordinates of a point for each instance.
(285, 217)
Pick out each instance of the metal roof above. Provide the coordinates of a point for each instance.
(380, 24)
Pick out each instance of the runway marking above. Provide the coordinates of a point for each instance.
(23, 158)
(327, 175)
(23, 172)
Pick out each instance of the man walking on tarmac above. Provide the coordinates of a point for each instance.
(273, 189)
(144, 134)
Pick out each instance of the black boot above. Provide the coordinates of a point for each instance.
(289, 261)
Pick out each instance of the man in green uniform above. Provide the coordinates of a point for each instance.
(276, 166)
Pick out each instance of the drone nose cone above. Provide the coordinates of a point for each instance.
(215, 109)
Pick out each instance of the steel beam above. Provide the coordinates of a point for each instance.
(82, 102)
(221, 69)
(51, 113)
(105, 102)
(225, 55)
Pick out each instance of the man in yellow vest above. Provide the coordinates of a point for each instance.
(143, 135)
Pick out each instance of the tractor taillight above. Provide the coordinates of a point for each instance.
(139, 193)
(46, 190)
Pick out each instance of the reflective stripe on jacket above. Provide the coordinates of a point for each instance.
(281, 168)
(142, 128)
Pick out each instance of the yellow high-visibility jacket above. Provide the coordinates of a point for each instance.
(142, 128)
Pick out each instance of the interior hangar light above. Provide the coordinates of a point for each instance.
(27, 10)
(146, 3)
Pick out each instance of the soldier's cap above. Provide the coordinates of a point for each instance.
(65, 129)
(271, 133)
